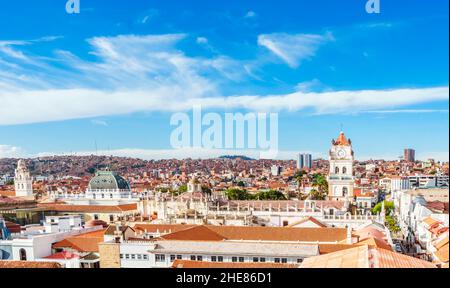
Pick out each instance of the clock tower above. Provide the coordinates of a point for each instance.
(340, 178)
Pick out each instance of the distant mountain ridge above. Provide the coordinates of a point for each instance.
(236, 157)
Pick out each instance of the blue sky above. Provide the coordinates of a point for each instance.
(112, 76)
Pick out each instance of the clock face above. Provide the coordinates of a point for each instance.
(341, 153)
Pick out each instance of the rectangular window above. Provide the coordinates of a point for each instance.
(127, 256)
(160, 257)
(145, 257)
(213, 259)
(179, 257)
(172, 258)
(133, 256)
(220, 258)
(262, 259)
(255, 259)
(199, 258)
(283, 260)
(121, 256)
(139, 256)
(241, 259)
(193, 257)
(277, 260)
(233, 259)
(299, 260)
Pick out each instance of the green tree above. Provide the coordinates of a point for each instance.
(270, 195)
(241, 184)
(388, 206)
(320, 190)
(238, 194)
(182, 189)
(314, 194)
(392, 225)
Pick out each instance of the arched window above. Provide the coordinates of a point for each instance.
(344, 170)
(23, 254)
(344, 191)
(336, 170)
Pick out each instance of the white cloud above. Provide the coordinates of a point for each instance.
(85, 103)
(202, 40)
(99, 122)
(414, 111)
(8, 151)
(148, 73)
(250, 14)
(293, 49)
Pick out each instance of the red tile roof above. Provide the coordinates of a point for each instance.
(342, 140)
(87, 242)
(65, 255)
(365, 256)
(255, 233)
(308, 219)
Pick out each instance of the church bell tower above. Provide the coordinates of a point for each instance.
(340, 177)
(23, 183)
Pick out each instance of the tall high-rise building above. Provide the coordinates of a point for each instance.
(409, 155)
(304, 160)
(340, 178)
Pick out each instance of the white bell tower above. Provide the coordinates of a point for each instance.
(340, 177)
(23, 183)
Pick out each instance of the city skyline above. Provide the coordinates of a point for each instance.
(107, 82)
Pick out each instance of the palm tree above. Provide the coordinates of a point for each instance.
(320, 185)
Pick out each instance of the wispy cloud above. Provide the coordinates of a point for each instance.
(250, 14)
(408, 111)
(99, 122)
(134, 73)
(293, 49)
(8, 151)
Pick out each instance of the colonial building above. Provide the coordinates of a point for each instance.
(105, 188)
(23, 183)
(340, 178)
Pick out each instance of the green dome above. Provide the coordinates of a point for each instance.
(108, 180)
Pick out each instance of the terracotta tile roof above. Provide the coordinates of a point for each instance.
(342, 140)
(255, 233)
(442, 252)
(307, 219)
(374, 242)
(87, 242)
(89, 208)
(65, 255)
(430, 221)
(390, 259)
(112, 228)
(162, 228)
(13, 227)
(235, 265)
(369, 232)
(197, 233)
(365, 257)
(438, 206)
(28, 264)
(441, 242)
(329, 248)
